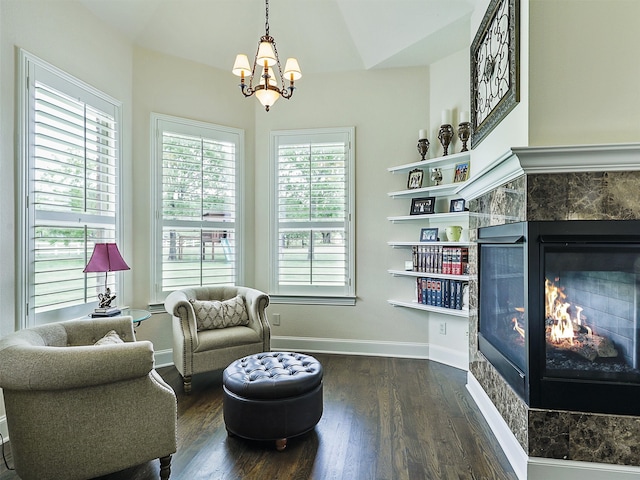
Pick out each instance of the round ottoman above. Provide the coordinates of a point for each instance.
(272, 396)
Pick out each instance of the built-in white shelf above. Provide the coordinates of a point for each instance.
(433, 162)
(429, 308)
(446, 189)
(430, 216)
(411, 244)
(411, 273)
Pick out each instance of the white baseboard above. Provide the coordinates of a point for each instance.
(372, 348)
(449, 357)
(512, 449)
(163, 358)
(536, 468)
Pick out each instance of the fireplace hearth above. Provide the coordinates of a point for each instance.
(559, 312)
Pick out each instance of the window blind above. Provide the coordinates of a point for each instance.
(71, 172)
(313, 213)
(199, 205)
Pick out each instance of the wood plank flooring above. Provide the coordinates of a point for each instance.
(384, 419)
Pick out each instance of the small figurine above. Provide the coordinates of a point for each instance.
(105, 299)
(436, 176)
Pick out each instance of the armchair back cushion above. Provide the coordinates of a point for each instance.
(215, 314)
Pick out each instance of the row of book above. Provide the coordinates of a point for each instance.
(441, 259)
(443, 292)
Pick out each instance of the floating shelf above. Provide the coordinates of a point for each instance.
(446, 189)
(433, 162)
(429, 216)
(411, 273)
(429, 308)
(411, 244)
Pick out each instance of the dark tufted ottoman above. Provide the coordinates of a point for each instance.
(272, 396)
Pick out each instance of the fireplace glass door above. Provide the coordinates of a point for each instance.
(502, 301)
(591, 311)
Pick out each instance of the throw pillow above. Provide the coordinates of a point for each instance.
(110, 338)
(214, 314)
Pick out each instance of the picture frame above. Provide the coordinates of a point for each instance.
(457, 205)
(461, 172)
(422, 206)
(429, 235)
(415, 179)
(495, 67)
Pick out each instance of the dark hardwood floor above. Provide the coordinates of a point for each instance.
(384, 419)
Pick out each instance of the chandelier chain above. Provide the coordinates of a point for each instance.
(266, 22)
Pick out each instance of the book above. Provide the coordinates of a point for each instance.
(107, 310)
(105, 314)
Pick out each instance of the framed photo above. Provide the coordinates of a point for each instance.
(461, 172)
(422, 206)
(457, 205)
(495, 67)
(415, 179)
(429, 235)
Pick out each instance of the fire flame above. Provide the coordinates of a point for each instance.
(517, 327)
(556, 309)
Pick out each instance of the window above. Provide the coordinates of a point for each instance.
(312, 239)
(198, 172)
(70, 154)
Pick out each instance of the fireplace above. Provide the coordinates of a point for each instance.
(559, 315)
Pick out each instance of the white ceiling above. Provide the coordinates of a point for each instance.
(324, 35)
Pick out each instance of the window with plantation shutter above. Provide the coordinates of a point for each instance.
(198, 169)
(312, 241)
(71, 162)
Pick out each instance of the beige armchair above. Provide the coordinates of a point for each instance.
(76, 410)
(197, 350)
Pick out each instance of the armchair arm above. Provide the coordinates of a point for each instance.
(177, 304)
(28, 367)
(257, 302)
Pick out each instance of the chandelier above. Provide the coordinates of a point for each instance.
(267, 90)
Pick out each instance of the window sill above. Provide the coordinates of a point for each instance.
(311, 300)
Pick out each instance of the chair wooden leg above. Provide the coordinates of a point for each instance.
(165, 467)
(186, 384)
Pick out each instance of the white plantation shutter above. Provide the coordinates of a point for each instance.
(199, 177)
(71, 175)
(313, 240)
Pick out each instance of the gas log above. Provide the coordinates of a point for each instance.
(587, 345)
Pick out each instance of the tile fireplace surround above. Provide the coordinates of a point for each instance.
(592, 182)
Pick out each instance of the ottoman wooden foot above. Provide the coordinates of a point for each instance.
(281, 444)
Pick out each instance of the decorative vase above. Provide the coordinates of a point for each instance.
(423, 147)
(445, 135)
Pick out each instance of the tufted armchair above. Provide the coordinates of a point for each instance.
(76, 410)
(197, 350)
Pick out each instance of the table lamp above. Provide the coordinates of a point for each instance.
(105, 258)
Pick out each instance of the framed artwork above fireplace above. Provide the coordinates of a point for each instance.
(495, 68)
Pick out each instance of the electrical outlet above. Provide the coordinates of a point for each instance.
(275, 319)
(443, 328)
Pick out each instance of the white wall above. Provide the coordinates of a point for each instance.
(584, 72)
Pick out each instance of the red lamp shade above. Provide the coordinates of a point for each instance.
(106, 258)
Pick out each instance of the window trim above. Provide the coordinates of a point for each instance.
(306, 295)
(27, 62)
(156, 122)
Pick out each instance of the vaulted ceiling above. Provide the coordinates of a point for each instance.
(324, 35)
